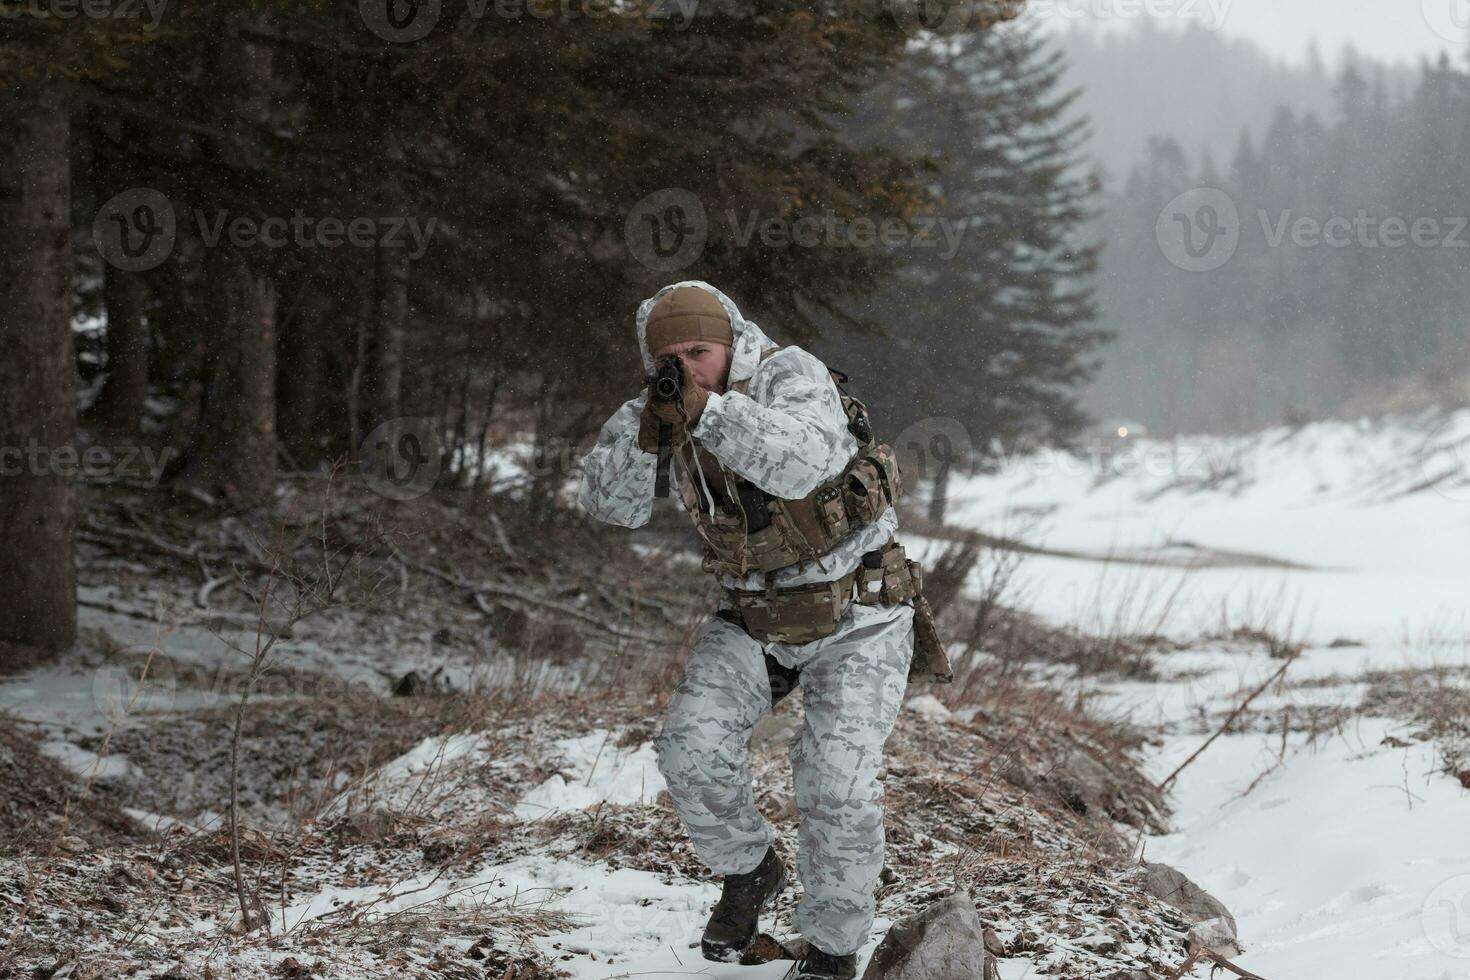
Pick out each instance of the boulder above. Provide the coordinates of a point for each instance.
(1215, 935)
(1170, 885)
(942, 942)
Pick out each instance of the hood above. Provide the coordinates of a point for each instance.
(750, 339)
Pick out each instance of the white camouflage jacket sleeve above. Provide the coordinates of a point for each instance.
(617, 476)
(788, 434)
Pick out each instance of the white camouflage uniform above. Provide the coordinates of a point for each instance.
(787, 434)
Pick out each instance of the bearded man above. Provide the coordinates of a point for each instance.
(795, 503)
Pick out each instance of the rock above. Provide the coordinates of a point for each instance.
(766, 949)
(1170, 885)
(795, 947)
(1215, 935)
(781, 807)
(1088, 786)
(416, 685)
(411, 685)
(943, 942)
(368, 826)
(927, 705)
(773, 731)
(1084, 783)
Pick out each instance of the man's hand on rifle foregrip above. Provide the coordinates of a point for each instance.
(682, 412)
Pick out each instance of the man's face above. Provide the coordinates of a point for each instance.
(708, 363)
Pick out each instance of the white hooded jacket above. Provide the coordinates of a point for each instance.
(786, 435)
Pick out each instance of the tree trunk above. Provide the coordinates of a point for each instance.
(37, 377)
(119, 406)
(939, 495)
(298, 381)
(389, 305)
(390, 315)
(234, 455)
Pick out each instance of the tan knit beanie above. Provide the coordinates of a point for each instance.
(688, 313)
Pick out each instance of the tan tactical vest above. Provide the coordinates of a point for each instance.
(798, 530)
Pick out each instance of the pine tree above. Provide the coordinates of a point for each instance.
(995, 335)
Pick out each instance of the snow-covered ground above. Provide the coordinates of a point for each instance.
(1350, 856)
(1342, 851)
(1375, 513)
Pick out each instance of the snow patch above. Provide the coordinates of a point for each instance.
(595, 770)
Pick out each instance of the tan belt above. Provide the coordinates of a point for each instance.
(803, 613)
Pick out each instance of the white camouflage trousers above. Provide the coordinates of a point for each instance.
(852, 685)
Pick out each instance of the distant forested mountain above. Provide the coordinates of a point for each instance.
(1198, 86)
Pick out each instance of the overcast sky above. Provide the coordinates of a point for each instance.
(1393, 30)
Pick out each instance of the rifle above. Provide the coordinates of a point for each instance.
(666, 386)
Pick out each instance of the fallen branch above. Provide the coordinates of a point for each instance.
(1239, 709)
(511, 591)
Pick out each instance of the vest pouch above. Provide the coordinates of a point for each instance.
(887, 461)
(765, 550)
(796, 615)
(862, 492)
(831, 511)
(893, 580)
(930, 664)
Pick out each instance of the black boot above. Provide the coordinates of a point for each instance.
(732, 924)
(817, 965)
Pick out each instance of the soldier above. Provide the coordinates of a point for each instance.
(795, 503)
